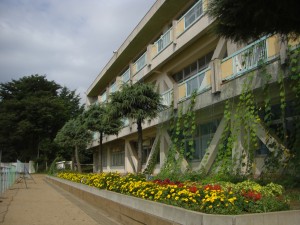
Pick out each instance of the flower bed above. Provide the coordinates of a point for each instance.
(221, 198)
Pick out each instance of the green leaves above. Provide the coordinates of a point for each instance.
(242, 20)
(33, 109)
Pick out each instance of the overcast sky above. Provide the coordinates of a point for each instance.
(69, 41)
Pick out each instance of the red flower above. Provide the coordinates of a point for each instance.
(212, 187)
(252, 195)
(193, 189)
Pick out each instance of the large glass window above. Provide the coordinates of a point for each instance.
(201, 141)
(193, 68)
(118, 158)
(104, 158)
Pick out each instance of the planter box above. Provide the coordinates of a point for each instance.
(134, 211)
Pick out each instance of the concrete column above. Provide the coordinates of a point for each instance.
(283, 45)
(95, 161)
(131, 72)
(215, 66)
(108, 159)
(174, 36)
(149, 57)
(175, 95)
(130, 157)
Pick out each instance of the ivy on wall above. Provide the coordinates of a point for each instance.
(182, 126)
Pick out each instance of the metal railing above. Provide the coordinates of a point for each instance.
(8, 177)
(197, 83)
(248, 58)
(113, 88)
(167, 97)
(141, 62)
(191, 16)
(126, 76)
(163, 41)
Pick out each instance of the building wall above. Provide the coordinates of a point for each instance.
(222, 80)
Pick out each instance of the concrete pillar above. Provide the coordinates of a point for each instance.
(108, 159)
(216, 72)
(174, 36)
(95, 161)
(283, 45)
(175, 95)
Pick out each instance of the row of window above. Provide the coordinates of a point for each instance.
(190, 16)
(193, 68)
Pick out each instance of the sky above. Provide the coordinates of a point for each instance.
(69, 41)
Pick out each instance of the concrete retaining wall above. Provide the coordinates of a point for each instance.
(136, 211)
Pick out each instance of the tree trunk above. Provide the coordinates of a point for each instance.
(100, 153)
(140, 145)
(77, 160)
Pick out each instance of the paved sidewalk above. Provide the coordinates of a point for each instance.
(43, 204)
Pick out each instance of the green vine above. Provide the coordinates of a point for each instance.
(241, 120)
(152, 161)
(182, 127)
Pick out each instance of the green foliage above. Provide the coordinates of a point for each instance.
(153, 159)
(74, 135)
(32, 110)
(53, 170)
(214, 198)
(240, 118)
(252, 19)
(293, 166)
(99, 118)
(182, 127)
(138, 102)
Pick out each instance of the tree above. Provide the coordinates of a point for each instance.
(74, 134)
(252, 19)
(137, 102)
(99, 118)
(32, 110)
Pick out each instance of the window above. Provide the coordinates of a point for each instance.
(104, 157)
(117, 158)
(126, 76)
(194, 13)
(201, 141)
(103, 97)
(141, 62)
(193, 68)
(113, 87)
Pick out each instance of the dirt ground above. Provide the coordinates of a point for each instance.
(43, 204)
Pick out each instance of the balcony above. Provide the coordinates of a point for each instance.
(167, 97)
(190, 17)
(139, 64)
(103, 97)
(199, 83)
(126, 76)
(162, 43)
(113, 88)
(250, 57)
(138, 68)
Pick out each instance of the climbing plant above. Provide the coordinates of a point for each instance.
(153, 159)
(239, 141)
(182, 126)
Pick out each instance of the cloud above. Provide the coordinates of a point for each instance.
(70, 41)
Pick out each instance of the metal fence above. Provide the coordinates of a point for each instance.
(8, 176)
